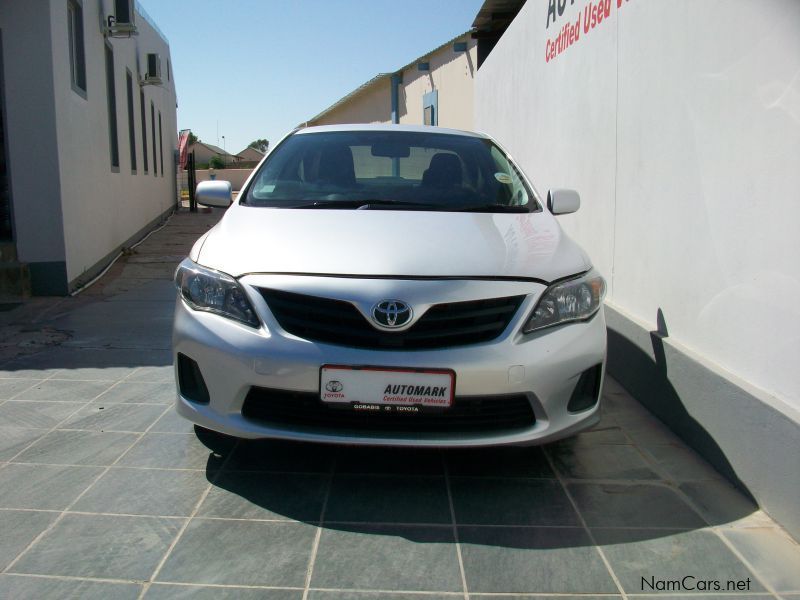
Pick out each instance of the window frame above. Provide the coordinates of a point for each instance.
(153, 126)
(77, 48)
(143, 111)
(111, 105)
(131, 120)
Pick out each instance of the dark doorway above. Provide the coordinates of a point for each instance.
(6, 232)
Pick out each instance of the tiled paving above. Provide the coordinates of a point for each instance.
(106, 493)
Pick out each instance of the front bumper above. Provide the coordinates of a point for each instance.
(545, 365)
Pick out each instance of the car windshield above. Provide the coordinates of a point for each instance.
(395, 170)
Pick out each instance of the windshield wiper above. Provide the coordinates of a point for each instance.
(363, 204)
(498, 208)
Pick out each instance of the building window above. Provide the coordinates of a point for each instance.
(131, 128)
(111, 95)
(153, 125)
(77, 56)
(144, 129)
(160, 144)
(169, 78)
(430, 108)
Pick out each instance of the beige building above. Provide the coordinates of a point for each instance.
(435, 89)
(251, 155)
(203, 153)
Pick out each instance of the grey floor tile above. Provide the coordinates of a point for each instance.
(381, 461)
(681, 464)
(704, 596)
(42, 415)
(254, 495)
(499, 462)
(145, 492)
(66, 391)
(489, 501)
(28, 367)
(15, 439)
(608, 434)
(92, 373)
(11, 387)
(372, 595)
(43, 487)
(600, 462)
(177, 451)
(100, 416)
(385, 499)
(643, 559)
(649, 433)
(276, 455)
(774, 556)
(639, 505)
(548, 560)
(161, 374)
(98, 546)
(172, 422)
(24, 587)
(718, 501)
(78, 448)
(631, 413)
(19, 528)
(544, 597)
(140, 392)
(242, 553)
(387, 558)
(163, 591)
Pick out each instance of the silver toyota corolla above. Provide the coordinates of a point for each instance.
(389, 285)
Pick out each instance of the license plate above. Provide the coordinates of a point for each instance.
(380, 388)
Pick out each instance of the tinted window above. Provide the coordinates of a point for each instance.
(434, 170)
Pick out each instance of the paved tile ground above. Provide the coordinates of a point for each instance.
(106, 493)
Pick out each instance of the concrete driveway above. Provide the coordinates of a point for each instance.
(106, 493)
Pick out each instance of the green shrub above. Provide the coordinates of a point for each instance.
(216, 163)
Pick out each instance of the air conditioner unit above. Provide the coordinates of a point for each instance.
(123, 22)
(153, 74)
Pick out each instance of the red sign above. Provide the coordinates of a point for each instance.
(183, 148)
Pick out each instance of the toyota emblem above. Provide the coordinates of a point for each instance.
(392, 313)
(334, 386)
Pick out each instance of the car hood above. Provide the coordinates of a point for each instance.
(390, 243)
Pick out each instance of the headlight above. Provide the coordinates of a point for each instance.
(212, 291)
(572, 300)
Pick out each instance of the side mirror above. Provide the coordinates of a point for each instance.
(214, 193)
(563, 202)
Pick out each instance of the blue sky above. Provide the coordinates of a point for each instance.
(260, 67)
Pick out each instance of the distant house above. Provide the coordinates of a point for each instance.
(251, 155)
(204, 152)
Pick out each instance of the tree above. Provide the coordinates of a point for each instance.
(216, 162)
(260, 145)
(193, 139)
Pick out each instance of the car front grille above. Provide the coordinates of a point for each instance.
(507, 412)
(340, 323)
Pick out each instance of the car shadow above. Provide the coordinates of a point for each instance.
(515, 497)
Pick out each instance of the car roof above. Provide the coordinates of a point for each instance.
(388, 127)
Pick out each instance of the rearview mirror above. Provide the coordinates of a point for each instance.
(391, 150)
(563, 202)
(214, 193)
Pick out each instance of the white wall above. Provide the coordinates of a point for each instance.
(237, 177)
(30, 129)
(102, 208)
(679, 123)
